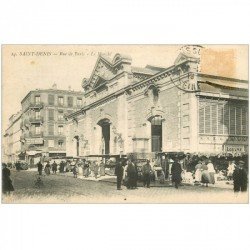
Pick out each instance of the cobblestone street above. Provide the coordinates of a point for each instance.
(63, 188)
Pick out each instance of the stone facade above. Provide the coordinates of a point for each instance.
(124, 100)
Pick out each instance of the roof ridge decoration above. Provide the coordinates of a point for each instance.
(105, 69)
(189, 52)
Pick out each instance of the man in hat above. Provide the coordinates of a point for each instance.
(40, 167)
(119, 173)
(240, 177)
(146, 171)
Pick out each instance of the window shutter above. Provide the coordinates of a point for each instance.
(51, 114)
(51, 100)
(214, 119)
(201, 121)
(51, 129)
(232, 120)
(220, 118)
(226, 119)
(244, 121)
(70, 101)
(207, 120)
(238, 121)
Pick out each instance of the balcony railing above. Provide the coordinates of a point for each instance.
(36, 120)
(24, 136)
(36, 105)
(33, 134)
(25, 123)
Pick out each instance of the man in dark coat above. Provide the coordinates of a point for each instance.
(119, 173)
(146, 171)
(54, 167)
(132, 175)
(62, 167)
(18, 166)
(240, 178)
(176, 173)
(7, 186)
(40, 167)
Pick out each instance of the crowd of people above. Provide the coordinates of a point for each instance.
(79, 167)
(128, 172)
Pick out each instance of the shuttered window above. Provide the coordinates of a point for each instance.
(232, 115)
(51, 99)
(202, 120)
(219, 118)
(51, 129)
(207, 120)
(51, 115)
(238, 121)
(220, 113)
(214, 118)
(244, 121)
(70, 101)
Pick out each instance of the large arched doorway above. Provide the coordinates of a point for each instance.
(156, 134)
(105, 125)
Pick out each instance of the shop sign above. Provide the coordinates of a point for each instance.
(34, 141)
(234, 149)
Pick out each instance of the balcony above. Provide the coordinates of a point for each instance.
(39, 105)
(24, 136)
(33, 134)
(36, 120)
(25, 123)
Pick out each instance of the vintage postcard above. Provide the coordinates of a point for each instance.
(125, 123)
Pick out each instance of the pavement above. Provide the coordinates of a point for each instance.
(63, 188)
(112, 179)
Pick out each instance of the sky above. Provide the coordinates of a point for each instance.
(29, 67)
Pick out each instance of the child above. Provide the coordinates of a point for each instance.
(38, 182)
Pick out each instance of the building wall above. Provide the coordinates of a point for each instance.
(12, 144)
(171, 95)
(223, 125)
(47, 141)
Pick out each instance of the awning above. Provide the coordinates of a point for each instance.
(57, 152)
(33, 152)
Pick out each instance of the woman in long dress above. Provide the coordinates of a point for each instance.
(102, 168)
(86, 169)
(96, 169)
(230, 170)
(198, 172)
(47, 169)
(211, 171)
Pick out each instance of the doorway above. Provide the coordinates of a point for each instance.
(156, 134)
(105, 125)
(77, 145)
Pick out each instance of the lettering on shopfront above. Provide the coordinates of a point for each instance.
(34, 141)
(234, 149)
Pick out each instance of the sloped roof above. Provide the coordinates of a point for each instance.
(146, 71)
(223, 81)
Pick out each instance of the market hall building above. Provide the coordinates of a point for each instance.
(144, 111)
